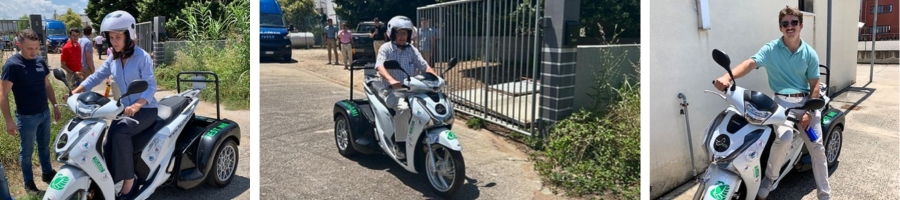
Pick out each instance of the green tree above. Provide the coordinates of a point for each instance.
(300, 13)
(356, 11)
(608, 14)
(23, 22)
(71, 19)
(97, 9)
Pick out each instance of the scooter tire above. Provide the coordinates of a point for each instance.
(342, 122)
(459, 175)
(212, 178)
(836, 134)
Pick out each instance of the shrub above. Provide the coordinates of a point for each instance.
(232, 64)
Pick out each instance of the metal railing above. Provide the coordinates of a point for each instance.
(145, 36)
(496, 42)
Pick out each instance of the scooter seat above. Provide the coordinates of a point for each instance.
(170, 106)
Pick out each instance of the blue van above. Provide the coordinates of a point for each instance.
(56, 33)
(274, 40)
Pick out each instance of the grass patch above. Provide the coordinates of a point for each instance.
(231, 63)
(475, 123)
(595, 153)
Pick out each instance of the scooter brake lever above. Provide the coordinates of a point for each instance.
(716, 93)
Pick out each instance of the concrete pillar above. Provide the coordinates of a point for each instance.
(159, 37)
(558, 61)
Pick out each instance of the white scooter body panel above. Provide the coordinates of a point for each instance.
(84, 162)
(747, 144)
(719, 184)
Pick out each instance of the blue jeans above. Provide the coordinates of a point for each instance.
(4, 186)
(33, 127)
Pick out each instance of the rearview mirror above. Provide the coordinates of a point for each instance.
(450, 65)
(722, 59)
(813, 104)
(60, 75)
(393, 64)
(135, 87)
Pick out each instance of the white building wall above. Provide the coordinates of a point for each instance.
(681, 62)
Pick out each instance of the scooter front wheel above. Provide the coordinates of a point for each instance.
(445, 169)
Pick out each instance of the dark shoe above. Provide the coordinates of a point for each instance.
(31, 188)
(337, 63)
(48, 177)
(329, 63)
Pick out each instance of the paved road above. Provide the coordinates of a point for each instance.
(868, 164)
(299, 160)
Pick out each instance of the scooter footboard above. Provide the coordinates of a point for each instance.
(718, 184)
(67, 182)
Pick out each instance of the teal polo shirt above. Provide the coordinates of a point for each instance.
(789, 73)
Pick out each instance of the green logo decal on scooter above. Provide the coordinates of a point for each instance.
(215, 130)
(97, 163)
(450, 135)
(756, 172)
(719, 191)
(353, 110)
(59, 182)
(827, 118)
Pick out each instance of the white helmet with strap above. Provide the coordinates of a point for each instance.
(400, 22)
(120, 21)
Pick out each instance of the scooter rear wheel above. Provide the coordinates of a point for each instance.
(224, 165)
(833, 145)
(342, 136)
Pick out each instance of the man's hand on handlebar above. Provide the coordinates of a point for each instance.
(722, 83)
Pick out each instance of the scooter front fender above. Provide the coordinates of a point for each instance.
(718, 183)
(444, 137)
(67, 182)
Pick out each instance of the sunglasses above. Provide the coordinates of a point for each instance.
(784, 24)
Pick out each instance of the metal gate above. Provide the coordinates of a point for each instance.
(145, 36)
(8, 29)
(496, 43)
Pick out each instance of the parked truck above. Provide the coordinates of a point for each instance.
(274, 40)
(363, 51)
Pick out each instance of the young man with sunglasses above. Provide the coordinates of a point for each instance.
(792, 67)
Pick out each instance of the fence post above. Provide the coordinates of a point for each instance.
(558, 60)
(159, 38)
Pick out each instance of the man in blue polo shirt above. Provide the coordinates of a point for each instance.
(25, 74)
(793, 70)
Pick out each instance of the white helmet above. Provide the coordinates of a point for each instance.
(120, 21)
(400, 22)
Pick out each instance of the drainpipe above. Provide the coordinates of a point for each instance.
(874, 25)
(828, 42)
(687, 123)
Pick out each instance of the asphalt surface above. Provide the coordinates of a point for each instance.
(868, 164)
(299, 159)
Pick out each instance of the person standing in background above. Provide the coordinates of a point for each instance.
(378, 35)
(87, 48)
(345, 38)
(330, 45)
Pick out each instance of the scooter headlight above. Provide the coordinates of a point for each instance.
(753, 115)
(85, 110)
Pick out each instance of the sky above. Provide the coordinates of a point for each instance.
(13, 9)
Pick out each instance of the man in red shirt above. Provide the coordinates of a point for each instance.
(71, 58)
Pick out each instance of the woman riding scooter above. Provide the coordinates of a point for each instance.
(128, 63)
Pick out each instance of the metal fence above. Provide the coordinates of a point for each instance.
(8, 30)
(145, 35)
(496, 43)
